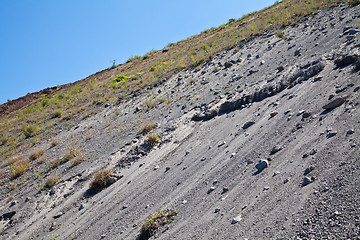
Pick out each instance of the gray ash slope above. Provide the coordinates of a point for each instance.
(262, 99)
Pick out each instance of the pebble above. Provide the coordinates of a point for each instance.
(350, 131)
(156, 167)
(211, 189)
(59, 214)
(331, 134)
(221, 144)
(217, 210)
(313, 151)
(266, 188)
(236, 219)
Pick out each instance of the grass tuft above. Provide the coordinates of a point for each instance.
(100, 178)
(19, 168)
(36, 154)
(51, 181)
(153, 223)
(152, 139)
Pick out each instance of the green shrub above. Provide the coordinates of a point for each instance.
(51, 181)
(154, 222)
(152, 139)
(30, 130)
(56, 114)
(353, 3)
(133, 59)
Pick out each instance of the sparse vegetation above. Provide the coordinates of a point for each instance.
(51, 181)
(30, 130)
(100, 178)
(70, 153)
(154, 222)
(78, 159)
(19, 168)
(152, 139)
(147, 128)
(353, 3)
(54, 163)
(36, 154)
(54, 143)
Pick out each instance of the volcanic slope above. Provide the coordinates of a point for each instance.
(266, 98)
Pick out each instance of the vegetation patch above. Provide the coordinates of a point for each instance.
(51, 181)
(78, 159)
(19, 168)
(152, 139)
(155, 221)
(36, 154)
(100, 179)
(146, 128)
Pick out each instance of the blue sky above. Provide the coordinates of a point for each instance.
(45, 43)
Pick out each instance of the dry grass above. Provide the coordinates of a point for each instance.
(54, 143)
(146, 128)
(3, 174)
(100, 178)
(51, 181)
(19, 168)
(152, 139)
(70, 154)
(36, 154)
(78, 159)
(54, 163)
(155, 221)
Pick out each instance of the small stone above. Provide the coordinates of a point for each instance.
(232, 155)
(307, 181)
(287, 111)
(313, 151)
(221, 144)
(286, 180)
(156, 167)
(305, 155)
(331, 134)
(273, 114)
(27, 199)
(236, 219)
(215, 182)
(276, 173)
(266, 188)
(306, 114)
(248, 124)
(261, 165)
(308, 170)
(217, 210)
(167, 169)
(300, 112)
(275, 149)
(211, 189)
(184, 202)
(225, 189)
(228, 64)
(350, 131)
(124, 207)
(13, 203)
(59, 214)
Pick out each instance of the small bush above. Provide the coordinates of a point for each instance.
(54, 143)
(100, 178)
(79, 159)
(54, 163)
(150, 103)
(152, 139)
(19, 168)
(280, 34)
(56, 114)
(155, 221)
(3, 140)
(36, 154)
(147, 128)
(51, 181)
(30, 130)
(353, 3)
(70, 154)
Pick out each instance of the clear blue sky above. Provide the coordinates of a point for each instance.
(45, 43)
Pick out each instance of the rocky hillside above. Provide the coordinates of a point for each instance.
(260, 141)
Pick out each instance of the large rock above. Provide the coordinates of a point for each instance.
(335, 103)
